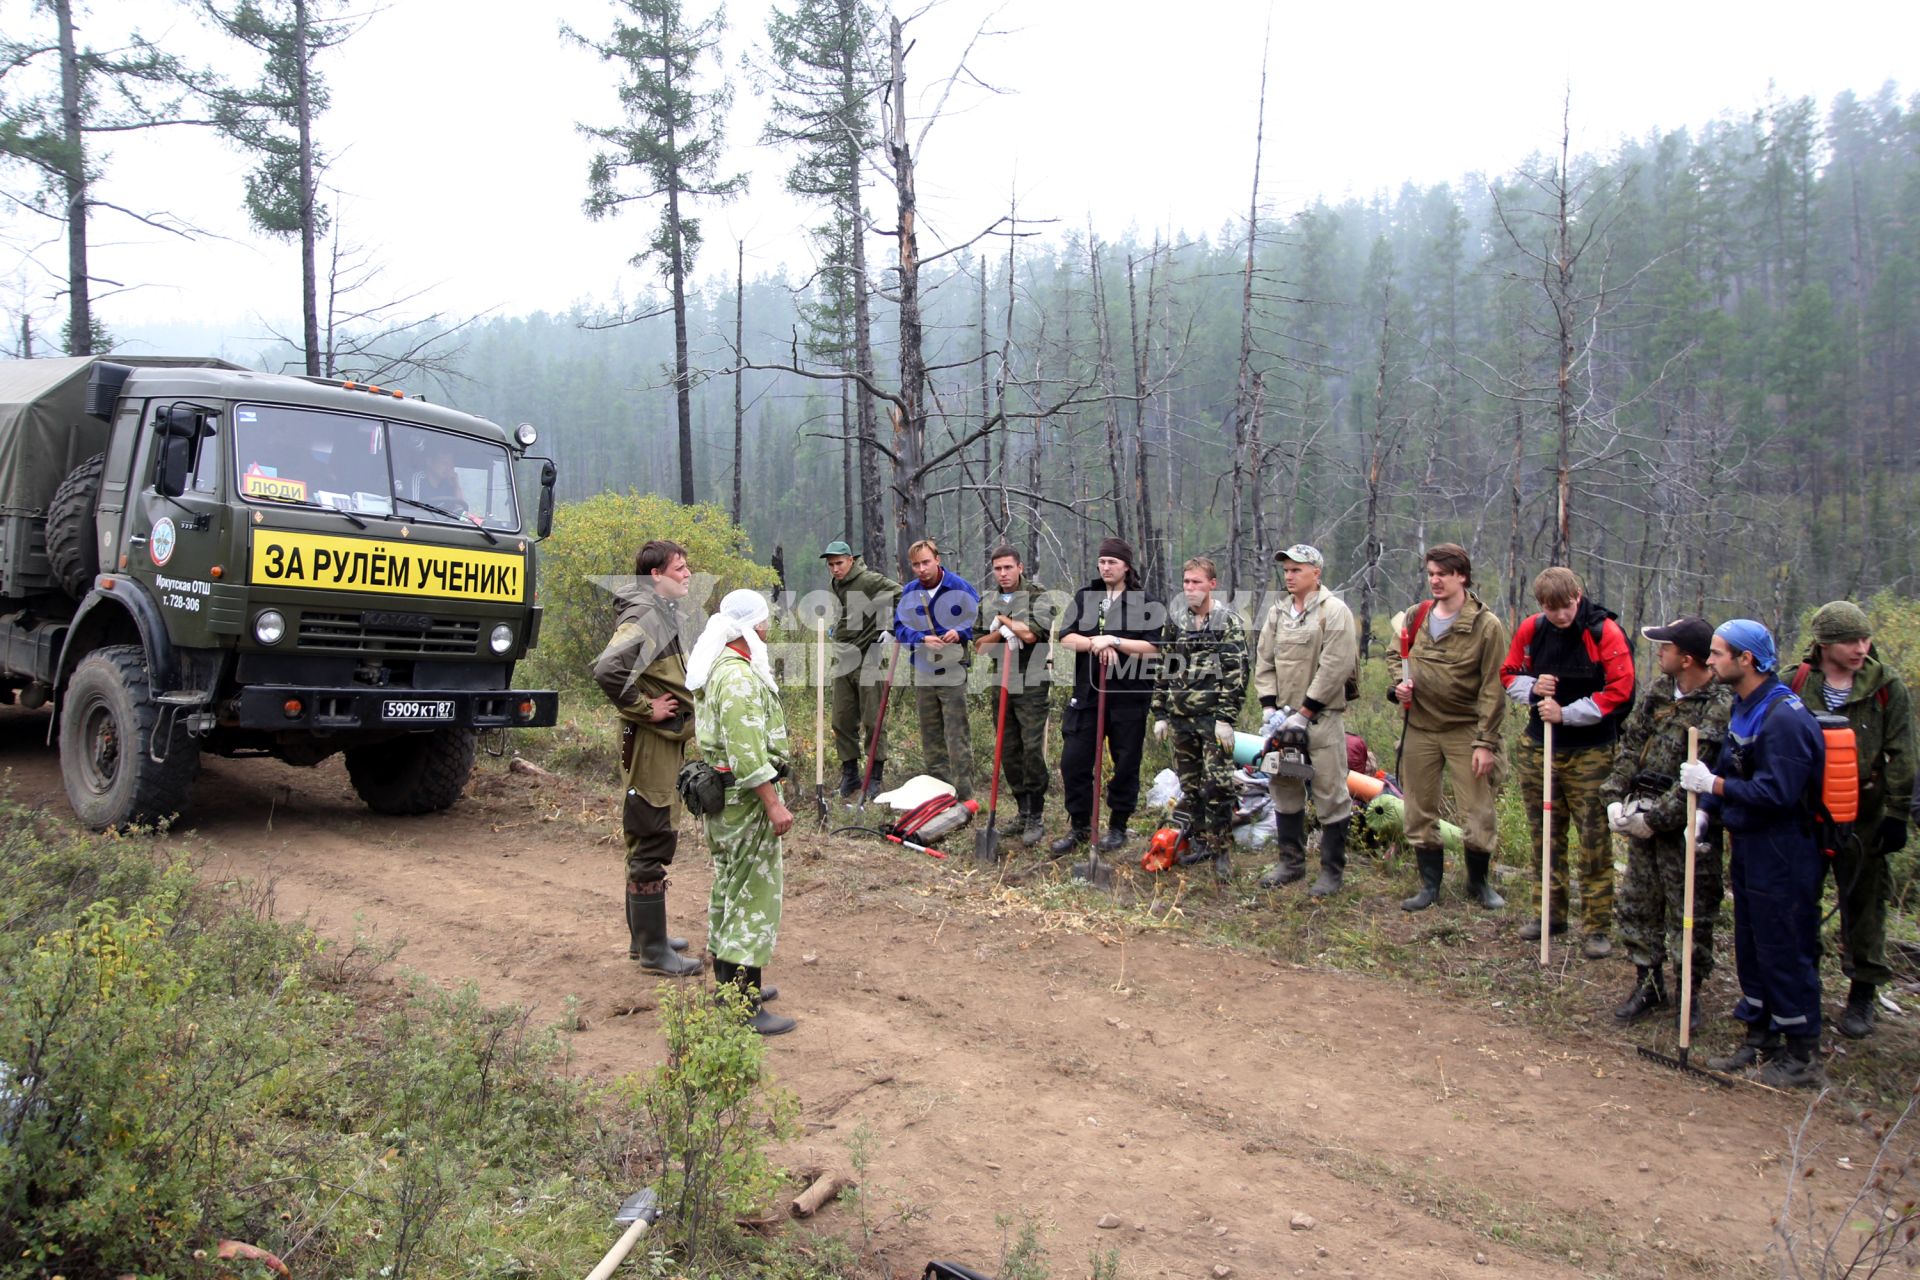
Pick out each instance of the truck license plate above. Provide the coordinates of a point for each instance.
(420, 709)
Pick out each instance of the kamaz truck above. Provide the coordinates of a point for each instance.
(197, 557)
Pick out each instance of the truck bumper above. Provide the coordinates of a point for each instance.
(281, 707)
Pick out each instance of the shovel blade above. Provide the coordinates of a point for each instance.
(642, 1206)
(1096, 871)
(820, 803)
(986, 845)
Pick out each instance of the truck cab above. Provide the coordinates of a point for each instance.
(258, 564)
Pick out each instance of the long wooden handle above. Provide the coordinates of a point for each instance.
(1686, 909)
(1546, 847)
(820, 706)
(621, 1248)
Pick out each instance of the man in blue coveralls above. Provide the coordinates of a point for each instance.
(1758, 788)
(935, 616)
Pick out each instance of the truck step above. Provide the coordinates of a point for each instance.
(182, 698)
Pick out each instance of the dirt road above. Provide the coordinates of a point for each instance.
(1010, 1061)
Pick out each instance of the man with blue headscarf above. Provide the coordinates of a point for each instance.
(1758, 787)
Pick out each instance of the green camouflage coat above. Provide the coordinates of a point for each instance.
(741, 728)
(1653, 746)
(1204, 664)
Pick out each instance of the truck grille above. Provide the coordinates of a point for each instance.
(354, 633)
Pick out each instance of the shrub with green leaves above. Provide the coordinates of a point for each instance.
(590, 557)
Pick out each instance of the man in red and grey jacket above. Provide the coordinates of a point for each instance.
(1570, 664)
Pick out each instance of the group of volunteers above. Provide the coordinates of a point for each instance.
(1180, 670)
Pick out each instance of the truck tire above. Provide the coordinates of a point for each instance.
(414, 774)
(108, 722)
(73, 548)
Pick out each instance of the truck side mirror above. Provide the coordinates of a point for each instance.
(543, 522)
(178, 427)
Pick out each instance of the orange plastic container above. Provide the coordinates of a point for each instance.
(1364, 786)
(1840, 783)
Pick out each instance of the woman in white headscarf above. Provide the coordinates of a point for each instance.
(743, 732)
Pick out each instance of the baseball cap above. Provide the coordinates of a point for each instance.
(1301, 553)
(1692, 636)
(837, 547)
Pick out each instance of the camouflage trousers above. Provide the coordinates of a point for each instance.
(1653, 900)
(1206, 779)
(1577, 777)
(749, 879)
(1023, 761)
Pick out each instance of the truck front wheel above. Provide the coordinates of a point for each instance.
(416, 773)
(110, 731)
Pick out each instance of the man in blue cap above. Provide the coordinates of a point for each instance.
(1758, 788)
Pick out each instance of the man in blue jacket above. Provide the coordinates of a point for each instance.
(935, 617)
(1772, 756)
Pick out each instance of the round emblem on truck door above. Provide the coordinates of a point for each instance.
(160, 546)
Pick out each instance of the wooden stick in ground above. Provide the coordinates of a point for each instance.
(820, 707)
(1686, 909)
(1546, 848)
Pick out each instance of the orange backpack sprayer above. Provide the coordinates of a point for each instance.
(1838, 804)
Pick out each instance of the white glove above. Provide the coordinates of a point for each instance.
(1637, 825)
(1616, 816)
(1223, 733)
(1297, 721)
(1160, 730)
(1700, 827)
(1271, 721)
(1013, 641)
(1696, 777)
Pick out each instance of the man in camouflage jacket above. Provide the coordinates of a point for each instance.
(1202, 684)
(1649, 807)
(643, 672)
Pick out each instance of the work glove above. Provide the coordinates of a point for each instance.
(1700, 824)
(1893, 834)
(1271, 721)
(1616, 817)
(1637, 825)
(1223, 733)
(1297, 723)
(1697, 778)
(1160, 730)
(1013, 641)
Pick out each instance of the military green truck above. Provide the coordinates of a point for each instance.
(197, 557)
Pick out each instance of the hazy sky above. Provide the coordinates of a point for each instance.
(457, 159)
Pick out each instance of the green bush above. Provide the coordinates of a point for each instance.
(590, 557)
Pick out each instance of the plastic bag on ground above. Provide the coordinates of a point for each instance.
(915, 791)
(1165, 792)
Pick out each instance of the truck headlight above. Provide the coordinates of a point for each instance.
(501, 639)
(269, 627)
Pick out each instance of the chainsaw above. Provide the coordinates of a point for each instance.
(1169, 844)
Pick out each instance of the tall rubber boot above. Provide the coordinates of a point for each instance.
(647, 925)
(1649, 995)
(1480, 880)
(1290, 849)
(1431, 859)
(767, 1024)
(633, 930)
(1333, 859)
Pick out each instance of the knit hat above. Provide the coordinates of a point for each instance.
(1751, 637)
(1840, 621)
(1117, 549)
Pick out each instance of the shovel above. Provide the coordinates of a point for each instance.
(820, 722)
(642, 1210)
(879, 726)
(986, 841)
(1095, 869)
(1546, 847)
(1686, 942)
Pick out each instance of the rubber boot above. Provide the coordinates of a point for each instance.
(767, 1024)
(633, 932)
(1480, 880)
(1066, 844)
(1857, 1019)
(1649, 995)
(1757, 1049)
(1033, 829)
(875, 785)
(1796, 1066)
(1290, 848)
(1333, 859)
(647, 925)
(1431, 859)
(849, 778)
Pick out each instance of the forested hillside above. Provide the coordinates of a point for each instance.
(1704, 343)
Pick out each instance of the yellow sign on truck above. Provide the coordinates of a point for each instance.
(283, 558)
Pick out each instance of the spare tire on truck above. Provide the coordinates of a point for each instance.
(73, 548)
(414, 773)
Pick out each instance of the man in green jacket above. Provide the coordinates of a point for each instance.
(1841, 675)
(643, 672)
(866, 599)
(1445, 670)
(1020, 616)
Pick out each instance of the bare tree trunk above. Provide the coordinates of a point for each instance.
(909, 418)
(1108, 385)
(990, 528)
(73, 179)
(309, 197)
(1151, 568)
(1245, 414)
(1516, 550)
(1376, 471)
(1563, 318)
(739, 338)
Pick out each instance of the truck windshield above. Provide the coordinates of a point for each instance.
(369, 467)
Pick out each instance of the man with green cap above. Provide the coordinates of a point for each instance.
(1841, 675)
(865, 599)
